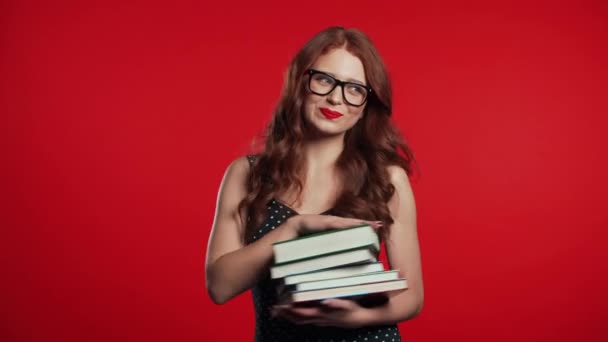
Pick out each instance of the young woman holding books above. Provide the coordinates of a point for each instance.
(332, 159)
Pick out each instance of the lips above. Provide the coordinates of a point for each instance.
(330, 114)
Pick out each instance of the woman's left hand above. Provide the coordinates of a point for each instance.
(333, 312)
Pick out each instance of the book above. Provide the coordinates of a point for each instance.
(337, 272)
(325, 242)
(351, 256)
(370, 293)
(347, 281)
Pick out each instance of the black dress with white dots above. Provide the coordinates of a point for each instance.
(264, 295)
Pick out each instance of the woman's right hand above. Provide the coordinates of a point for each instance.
(307, 224)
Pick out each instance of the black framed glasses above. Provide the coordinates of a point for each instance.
(322, 83)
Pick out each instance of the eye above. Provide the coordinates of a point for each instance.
(323, 79)
(356, 89)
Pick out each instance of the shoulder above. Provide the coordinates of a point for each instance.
(251, 158)
(233, 187)
(243, 163)
(238, 170)
(398, 176)
(239, 165)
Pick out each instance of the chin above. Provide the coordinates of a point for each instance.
(325, 130)
(324, 127)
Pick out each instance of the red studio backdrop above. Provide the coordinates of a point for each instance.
(119, 119)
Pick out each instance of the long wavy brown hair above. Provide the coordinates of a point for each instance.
(370, 146)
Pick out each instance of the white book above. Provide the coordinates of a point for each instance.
(354, 291)
(347, 281)
(325, 242)
(359, 255)
(338, 272)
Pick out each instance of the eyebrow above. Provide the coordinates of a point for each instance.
(352, 80)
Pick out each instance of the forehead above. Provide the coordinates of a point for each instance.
(342, 64)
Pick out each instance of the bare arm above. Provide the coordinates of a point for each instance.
(403, 253)
(231, 266)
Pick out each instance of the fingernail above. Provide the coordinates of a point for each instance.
(377, 224)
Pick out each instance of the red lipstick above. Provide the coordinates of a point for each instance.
(330, 114)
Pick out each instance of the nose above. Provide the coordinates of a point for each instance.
(335, 97)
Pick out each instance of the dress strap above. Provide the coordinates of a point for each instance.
(252, 158)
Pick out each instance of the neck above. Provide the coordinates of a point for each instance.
(322, 153)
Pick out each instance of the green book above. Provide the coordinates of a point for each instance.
(347, 281)
(369, 294)
(337, 272)
(325, 242)
(346, 257)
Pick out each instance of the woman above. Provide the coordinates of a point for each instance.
(331, 159)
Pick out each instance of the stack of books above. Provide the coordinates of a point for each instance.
(333, 264)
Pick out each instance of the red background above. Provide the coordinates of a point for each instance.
(118, 120)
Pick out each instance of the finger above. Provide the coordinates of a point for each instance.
(340, 304)
(340, 222)
(376, 225)
(344, 222)
(305, 312)
(296, 318)
(318, 322)
(281, 306)
(316, 223)
(334, 222)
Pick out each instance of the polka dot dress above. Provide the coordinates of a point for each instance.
(265, 296)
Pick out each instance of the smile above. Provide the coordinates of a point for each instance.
(330, 114)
